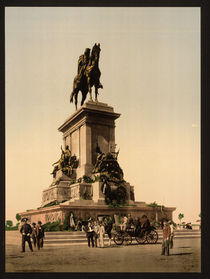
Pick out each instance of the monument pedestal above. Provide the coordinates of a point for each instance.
(90, 127)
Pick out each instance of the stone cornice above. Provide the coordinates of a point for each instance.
(84, 113)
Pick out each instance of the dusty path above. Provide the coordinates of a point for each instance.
(185, 257)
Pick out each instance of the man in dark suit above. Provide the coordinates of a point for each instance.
(26, 231)
(40, 235)
(90, 233)
(108, 229)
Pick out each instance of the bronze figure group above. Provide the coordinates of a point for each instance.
(66, 163)
(88, 75)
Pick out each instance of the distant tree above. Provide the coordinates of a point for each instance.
(180, 217)
(9, 223)
(155, 206)
(18, 217)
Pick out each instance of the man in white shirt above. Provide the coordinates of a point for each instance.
(101, 235)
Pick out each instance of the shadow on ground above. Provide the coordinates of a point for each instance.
(180, 254)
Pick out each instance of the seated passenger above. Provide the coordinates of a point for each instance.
(137, 225)
(145, 223)
(125, 223)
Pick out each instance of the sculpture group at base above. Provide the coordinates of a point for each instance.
(66, 163)
(88, 75)
(112, 177)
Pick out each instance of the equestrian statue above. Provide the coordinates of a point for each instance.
(88, 75)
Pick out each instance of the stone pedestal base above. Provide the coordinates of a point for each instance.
(81, 191)
(57, 193)
(60, 176)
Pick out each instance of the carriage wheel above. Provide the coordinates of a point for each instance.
(141, 238)
(118, 238)
(127, 239)
(152, 237)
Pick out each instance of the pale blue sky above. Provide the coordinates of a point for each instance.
(150, 65)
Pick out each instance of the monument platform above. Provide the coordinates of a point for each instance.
(87, 209)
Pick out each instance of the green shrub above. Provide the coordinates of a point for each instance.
(87, 179)
(51, 203)
(51, 227)
(15, 228)
(12, 228)
(9, 223)
(18, 217)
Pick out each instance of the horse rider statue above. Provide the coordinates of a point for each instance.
(88, 75)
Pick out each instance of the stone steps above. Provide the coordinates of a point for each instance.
(79, 238)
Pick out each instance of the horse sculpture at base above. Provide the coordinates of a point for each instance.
(88, 75)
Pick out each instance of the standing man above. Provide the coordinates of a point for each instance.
(172, 234)
(108, 229)
(90, 234)
(166, 238)
(26, 231)
(34, 233)
(40, 235)
(96, 233)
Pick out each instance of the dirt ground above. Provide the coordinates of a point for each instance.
(184, 257)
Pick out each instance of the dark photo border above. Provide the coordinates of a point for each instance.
(205, 139)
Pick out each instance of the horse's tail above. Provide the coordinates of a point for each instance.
(71, 97)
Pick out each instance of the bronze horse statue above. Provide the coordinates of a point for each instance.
(88, 77)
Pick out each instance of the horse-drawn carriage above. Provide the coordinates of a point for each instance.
(141, 235)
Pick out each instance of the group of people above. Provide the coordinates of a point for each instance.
(34, 233)
(144, 223)
(129, 222)
(95, 231)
